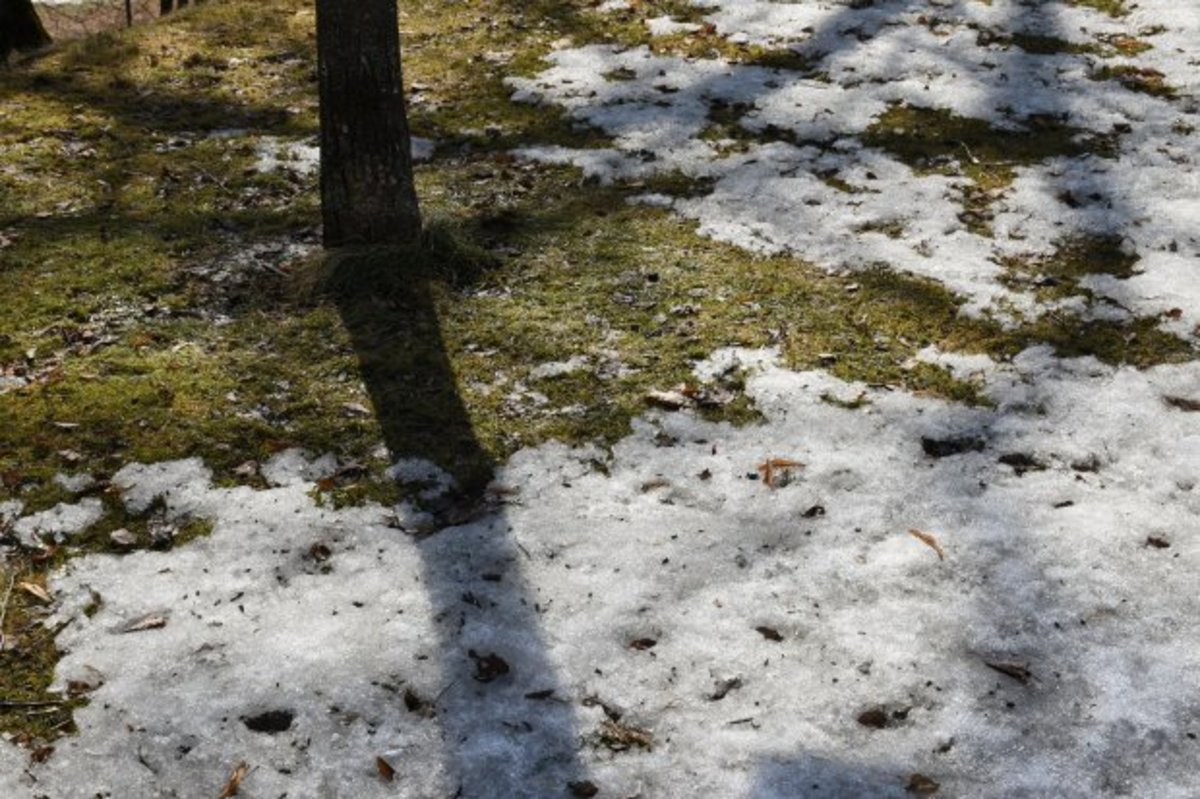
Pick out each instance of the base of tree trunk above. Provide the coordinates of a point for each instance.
(20, 28)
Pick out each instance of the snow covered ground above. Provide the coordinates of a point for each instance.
(941, 600)
(956, 56)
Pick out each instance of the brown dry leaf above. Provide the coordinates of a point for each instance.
(653, 483)
(770, 633)
(235, 780)
(1018, 671)
(777, 472)
(36, 591)
(929, 540)
(151, 622)
(620, 737)
(385, 769)
(921, 785)
(1183, 404)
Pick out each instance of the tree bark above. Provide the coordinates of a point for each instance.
(20, 28)
(367, 192)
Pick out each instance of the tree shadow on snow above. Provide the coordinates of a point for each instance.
(508, 731)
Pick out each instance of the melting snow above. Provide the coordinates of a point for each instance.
(949, 56)
(745, 629)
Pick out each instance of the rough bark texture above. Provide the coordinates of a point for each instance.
(20, 28)
(367, 193)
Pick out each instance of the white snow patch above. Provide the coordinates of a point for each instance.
(810, 187)
(75, 483)
(666, 26)
(60, 522)
(653, 589)
(551, 369)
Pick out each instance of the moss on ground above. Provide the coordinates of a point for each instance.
(163, 296)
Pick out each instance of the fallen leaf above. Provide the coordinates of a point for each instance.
(151, 622)
(876, 718)
(653, 483)
(921, 785)
(36, 591)
(1157, 542)
(814, 511)
(1174, 313)
(620, 737)
(41, 754)
(928, 540)
(777, 472)
(1018, 671)
(488, 667)
(723, 687)
(583, 789)
(235, 780)
(385, 769)
(415, 703)
(642, 644)
(355, 409)
(770, 633)
(945, 447)
(1183, 404)
(670, 400)
(123, 538)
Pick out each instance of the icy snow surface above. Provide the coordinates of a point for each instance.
(948, 55)
(654, 590)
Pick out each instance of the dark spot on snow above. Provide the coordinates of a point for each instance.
(814, 511)
(1022, 462)
(724, 687)
(583, 789)
(876, 718)
(488, 667)
(945, 447)
(1157, 542)
(770, 633)
(1183, 404)
(546, 693)
(1018, 671)
(642, 644)
(920, 785)
(1089, 464)
(271, 722)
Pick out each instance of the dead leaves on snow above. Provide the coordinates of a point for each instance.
(778, 472)
(929, 540)
(235, 781)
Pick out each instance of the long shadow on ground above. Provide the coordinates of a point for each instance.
(502, 737)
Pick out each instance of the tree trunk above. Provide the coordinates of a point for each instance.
(367, 192)
(165, 7)
(20, 28)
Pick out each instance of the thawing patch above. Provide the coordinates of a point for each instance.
(799, 161)
(869, 588)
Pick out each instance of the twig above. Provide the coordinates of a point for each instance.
(14, 704)
(12, 579)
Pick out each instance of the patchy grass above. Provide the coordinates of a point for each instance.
(1114, 8)
(1139, 79)
(938, 141)
(1058, 275)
